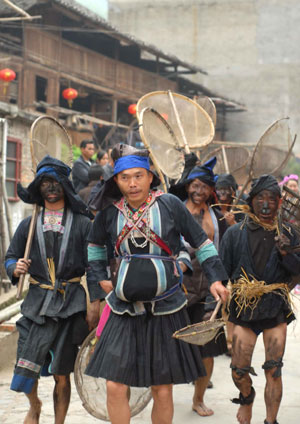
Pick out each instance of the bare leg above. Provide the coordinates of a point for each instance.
(61, 397)
(274, 341)
(243, 343)
(200, 387)
(117, 403)
(229, 330)
(163, 409)
(33, 415)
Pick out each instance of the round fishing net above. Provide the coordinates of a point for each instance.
(200, 333)
(49, 137)
(208, 105)
(191, 124)
(92, 391)
(230, 160)
(160, 140)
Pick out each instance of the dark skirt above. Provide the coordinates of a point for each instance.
(139, 351)
(217, 346)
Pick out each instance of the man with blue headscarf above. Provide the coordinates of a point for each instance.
(144, 228)
(54, 311)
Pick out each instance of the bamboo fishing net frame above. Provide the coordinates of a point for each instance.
(92, 391)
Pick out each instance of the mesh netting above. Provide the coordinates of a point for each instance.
(272, 149)
(196, 123)
(230, 159)
(208, 105)
(199, 333)
(290, 208)
(92, 391)
(159, 138)
(48, 136)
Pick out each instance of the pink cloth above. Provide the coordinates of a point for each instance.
(288, 178)
(102, 320)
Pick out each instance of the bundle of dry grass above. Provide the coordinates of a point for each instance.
(247, 293)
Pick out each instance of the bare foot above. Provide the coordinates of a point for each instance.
(202, 409)
(244, 414)
(33, 415)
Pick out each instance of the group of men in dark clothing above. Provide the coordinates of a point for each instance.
(156, 240)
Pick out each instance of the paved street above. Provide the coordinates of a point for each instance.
(13, 406)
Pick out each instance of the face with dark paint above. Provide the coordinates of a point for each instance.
(199, 192)
(51, 190)
(224, 195)
(265, 205)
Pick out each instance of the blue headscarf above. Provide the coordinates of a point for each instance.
(131, 161)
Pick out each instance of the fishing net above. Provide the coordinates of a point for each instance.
(49, 137)
(92, 391)
(192, 126)
(290, 208)
(200, 333)
(159, 138)
(272, 150)
(208, 105)
(230, 160)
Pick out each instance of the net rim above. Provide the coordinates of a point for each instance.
(182, 97)
(36, 122)
(148, 147)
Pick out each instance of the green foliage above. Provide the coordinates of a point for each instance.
(293, 167)
(76, 152)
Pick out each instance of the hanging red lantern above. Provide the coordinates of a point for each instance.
(132, 109)
(7, 75)
(70, 94)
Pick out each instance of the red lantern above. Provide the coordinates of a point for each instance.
(7, 75)
(70, 94)
(132, 109)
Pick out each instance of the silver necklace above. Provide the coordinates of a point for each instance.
(132, 238)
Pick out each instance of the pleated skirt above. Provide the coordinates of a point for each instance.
(139, 351)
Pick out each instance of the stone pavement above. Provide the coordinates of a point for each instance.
(13, 406)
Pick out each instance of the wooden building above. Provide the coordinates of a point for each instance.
(67, 45)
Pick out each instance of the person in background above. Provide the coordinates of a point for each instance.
(291, 181)
(102, 157)
(82, 165)
(226, 189)
(198, 193)
(95, 175)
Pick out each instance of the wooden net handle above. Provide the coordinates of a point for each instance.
(28, 248)
(216, 310)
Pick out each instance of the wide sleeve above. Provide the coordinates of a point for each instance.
(16, 249)
(97, 256)
(192, 232)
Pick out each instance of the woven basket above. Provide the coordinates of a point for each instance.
(200, 333)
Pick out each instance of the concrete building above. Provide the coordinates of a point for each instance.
(250, 49)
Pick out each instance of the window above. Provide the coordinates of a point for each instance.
(13, 167)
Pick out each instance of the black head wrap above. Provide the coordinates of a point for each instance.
(226, 180)
(203, 173)
(110, 192)
(54, 168)
(265, 182)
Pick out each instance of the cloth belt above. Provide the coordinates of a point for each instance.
(51, 287)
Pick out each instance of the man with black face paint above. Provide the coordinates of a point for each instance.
(198, 193)
(226, 187)
(254, 248)
(54, 312)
